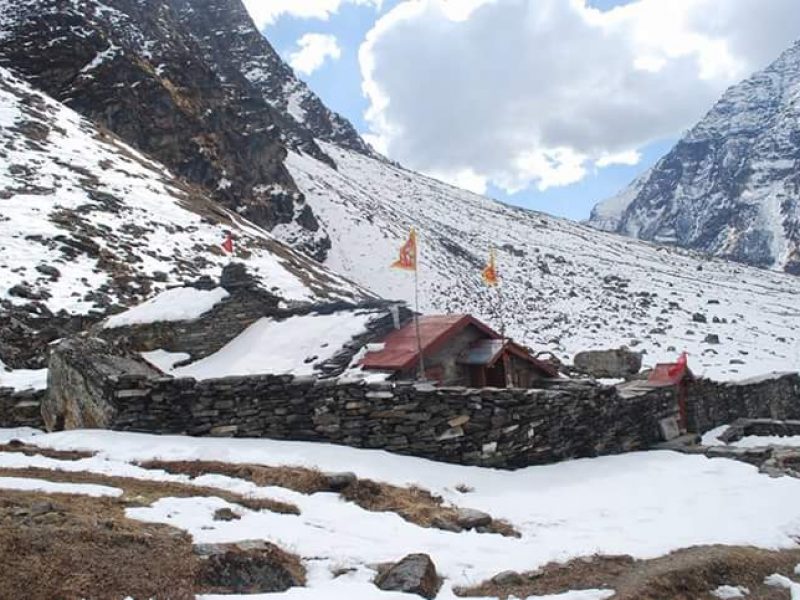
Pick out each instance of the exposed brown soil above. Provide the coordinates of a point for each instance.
(70, 547)
(144, 492)
(688, 574)
(413, 504)
(33, 450)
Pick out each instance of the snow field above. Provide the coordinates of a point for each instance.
(643, 504)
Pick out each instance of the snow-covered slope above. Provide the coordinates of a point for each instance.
(86, 222)
(731, 186)
(566, 287)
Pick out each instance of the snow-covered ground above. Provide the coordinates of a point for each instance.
(644, 504)
(565, 287)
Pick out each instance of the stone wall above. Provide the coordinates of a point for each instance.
(21, 409)
(503, 428)
(712, 404)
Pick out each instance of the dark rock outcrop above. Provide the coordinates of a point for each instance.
(415, 574)
(160, 74)
(248, 567)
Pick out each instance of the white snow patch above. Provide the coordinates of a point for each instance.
(781, 581)
(288, 346)
(23, 379)
(164, 360)
(727, 592)
(54, 487)
(176, 304)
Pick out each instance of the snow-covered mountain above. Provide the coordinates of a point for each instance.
(566, 287)
(88, 223)
(731, 186)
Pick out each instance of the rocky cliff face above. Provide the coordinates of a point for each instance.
(217, 109)
(731, 186)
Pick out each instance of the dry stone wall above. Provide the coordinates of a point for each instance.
(712, 404)
(502, 428)
(21, 409)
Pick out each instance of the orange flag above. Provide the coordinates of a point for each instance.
(408, 254)
(489, 272)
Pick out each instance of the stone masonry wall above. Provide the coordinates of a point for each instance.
(712, 404)
(503, 428)
(21, 409)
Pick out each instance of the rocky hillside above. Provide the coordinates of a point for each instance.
(192, 84)
(731, 186)
(88, 224)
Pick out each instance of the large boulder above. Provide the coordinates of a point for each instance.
(415, 574)
(248, 567)
(79, 372)
(618, 363)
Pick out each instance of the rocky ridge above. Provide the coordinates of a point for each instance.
(730, 187)
(219, 110)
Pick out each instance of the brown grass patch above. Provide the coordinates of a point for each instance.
(33, 450)
(86, 548)
(688, 574)
(144, 492)
(413, 504)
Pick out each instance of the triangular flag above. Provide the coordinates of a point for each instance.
(489, 273)
(680, 366)
(227, 245)
(407, 259)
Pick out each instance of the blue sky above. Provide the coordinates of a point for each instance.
(339, 83)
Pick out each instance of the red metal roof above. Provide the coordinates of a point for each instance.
(400, 351)
(666, 374)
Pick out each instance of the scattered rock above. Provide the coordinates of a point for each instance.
(248, 567)
(338, 481)
(469, 518)
(225, 514)
(608, 363)
(415, 574)
(699, 318)
(507, 578)
(712, 338)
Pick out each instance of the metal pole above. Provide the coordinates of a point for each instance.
(421, 366)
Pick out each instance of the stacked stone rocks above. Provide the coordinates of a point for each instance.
(713, 404)
(21, 409)
(494, 427)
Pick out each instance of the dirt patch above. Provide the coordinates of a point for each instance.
(413, 504)
(143, 492)
(688, 574)
(69, 547)
(32, 450)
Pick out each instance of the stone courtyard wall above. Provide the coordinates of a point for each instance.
(21, 409)
(712, 404)
(503, 428)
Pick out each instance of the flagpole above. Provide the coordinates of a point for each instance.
(421, 366)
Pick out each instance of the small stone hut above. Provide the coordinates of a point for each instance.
(457, 350)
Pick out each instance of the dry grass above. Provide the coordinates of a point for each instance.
(688, 574)
(413, 504)
(85, 548)
(144, 492)
(33, 450)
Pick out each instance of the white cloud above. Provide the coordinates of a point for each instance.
(266, 12)
(314, 49)
(538, 92)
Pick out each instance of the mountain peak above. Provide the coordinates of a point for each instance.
(730, 187)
